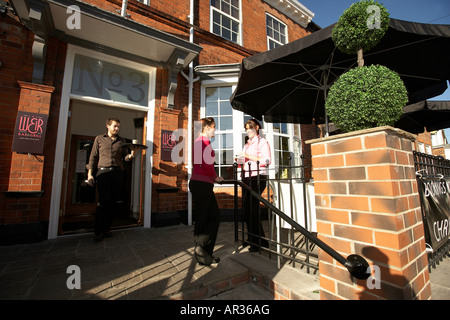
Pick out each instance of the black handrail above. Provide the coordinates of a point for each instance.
(355, 264)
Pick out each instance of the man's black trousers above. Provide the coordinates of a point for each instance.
(109, 187)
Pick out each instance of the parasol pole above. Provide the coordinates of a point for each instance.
(327, 129)
(325, 87)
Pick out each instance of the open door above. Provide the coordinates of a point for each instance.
(81, 199)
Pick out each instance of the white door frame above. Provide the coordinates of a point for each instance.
(66, 97)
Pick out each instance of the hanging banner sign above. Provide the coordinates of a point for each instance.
(29, 133)
(167, 144)
(435, 200)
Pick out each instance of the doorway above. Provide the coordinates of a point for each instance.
(79, 200)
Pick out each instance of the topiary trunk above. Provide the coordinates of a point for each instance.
(360, 58)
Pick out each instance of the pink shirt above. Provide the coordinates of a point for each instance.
(257, 147)
(203, 158)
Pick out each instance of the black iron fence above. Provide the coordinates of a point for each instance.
(433, 180)
(285, 236)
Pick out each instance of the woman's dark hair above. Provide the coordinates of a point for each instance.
(253, 124)
(209, 121)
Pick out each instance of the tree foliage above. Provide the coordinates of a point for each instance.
(366, 97)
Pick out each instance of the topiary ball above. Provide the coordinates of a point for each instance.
(360, 27)
(366, 97)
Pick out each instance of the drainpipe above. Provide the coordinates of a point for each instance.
(191, 81)
(123, 12)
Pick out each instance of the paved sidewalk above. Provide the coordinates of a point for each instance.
(440, 280)
(135, 264)
(157, 263)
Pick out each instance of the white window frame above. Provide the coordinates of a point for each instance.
(211, 14)
(147, 2)
(237, 116)
(269, 39)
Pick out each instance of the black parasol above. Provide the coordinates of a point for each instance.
(290, 83)
(433, 115)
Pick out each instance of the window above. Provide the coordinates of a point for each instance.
(276, 32)
(230, 137)
(218, 106)
(147, 2)
(281, 148)
(226, 19)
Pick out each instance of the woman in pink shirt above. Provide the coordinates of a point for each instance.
(207, 215)
(256, 149)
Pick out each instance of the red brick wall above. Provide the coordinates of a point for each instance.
(17, 65)
(21, 172)
(15, 59)
(367, 203)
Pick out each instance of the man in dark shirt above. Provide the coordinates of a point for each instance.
(106, 162)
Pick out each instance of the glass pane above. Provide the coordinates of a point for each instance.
(226, 22)
(284, 128)
(276, 127)
(276, 142)
(227, 141)
(284, 143)
(235, 29)
(216, 29)
(81, 193)
(225, 93)
(226, 34)
(215, 3)
(276, 36)
(286, 158)
(215, 143)
(225, 108)
(273, 44)
(276, 25)
(229, 157)
(226, 157)
(226, 123)
(235, 12)
(212, 94)
(226, 8)
(211, 109)
(278, 158)
(216, 158)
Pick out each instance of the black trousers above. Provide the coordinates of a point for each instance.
(109, 187)
(206, 214)
(251, 209)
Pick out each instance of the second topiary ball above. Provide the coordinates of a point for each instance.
(366, 97)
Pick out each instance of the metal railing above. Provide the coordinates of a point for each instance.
(355, 264)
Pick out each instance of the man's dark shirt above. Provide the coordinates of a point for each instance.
(107, 152)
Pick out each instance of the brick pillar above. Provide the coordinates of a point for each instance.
(367, 203)
(25, 178)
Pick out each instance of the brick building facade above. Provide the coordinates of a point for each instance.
(157, 65)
